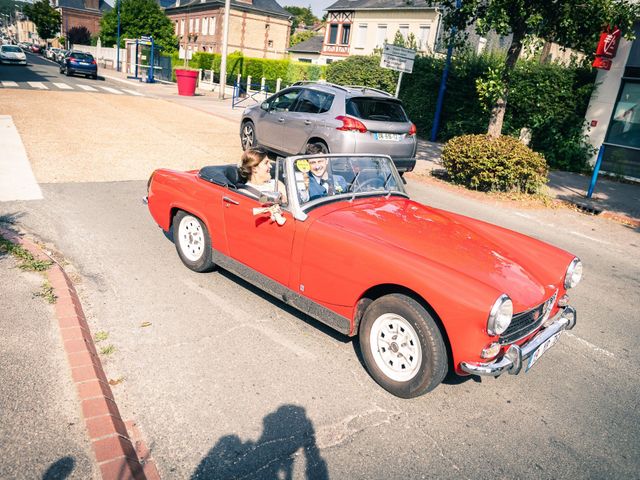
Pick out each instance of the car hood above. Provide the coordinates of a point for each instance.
(524, 268)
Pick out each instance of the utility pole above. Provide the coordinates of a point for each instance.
(118, 38)
(225, 47)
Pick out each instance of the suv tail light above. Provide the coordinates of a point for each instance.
(72, 59)
(413, 130)
(350, 123)
(93, 62)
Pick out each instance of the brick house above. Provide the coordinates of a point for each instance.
(81, 13)
(257, 28)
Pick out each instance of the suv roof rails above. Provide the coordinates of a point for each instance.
(320, 82)
(363, 88)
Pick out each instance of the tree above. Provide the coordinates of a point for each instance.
(138, 18)
(301, 37)
(46, 18)
(301, 15)
(79, 35)
(570, 23)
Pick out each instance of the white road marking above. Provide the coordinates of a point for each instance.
(38, 85)
(112, 90)
(522, 215)
(9, 83)
(17, 181)
(590, 345)
(63, 86)
(133, 92)
(582, 235)
(87, 88)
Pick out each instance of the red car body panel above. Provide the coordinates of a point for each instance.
(457, 265)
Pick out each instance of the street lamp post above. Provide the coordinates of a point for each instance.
(118, 38)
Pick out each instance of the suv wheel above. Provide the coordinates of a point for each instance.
(319, 146)
(248, 135)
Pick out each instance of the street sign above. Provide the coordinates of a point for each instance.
(398, 58)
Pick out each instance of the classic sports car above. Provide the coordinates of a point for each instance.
(427, 291)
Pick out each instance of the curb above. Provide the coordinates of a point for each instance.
(119, 455)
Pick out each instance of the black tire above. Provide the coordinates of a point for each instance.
(407, 356)
(192, 241)
(321, 145)
(67, 72)
(248, 137)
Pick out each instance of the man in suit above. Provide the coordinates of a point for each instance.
(321, 183)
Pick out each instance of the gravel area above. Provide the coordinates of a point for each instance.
(132, 136)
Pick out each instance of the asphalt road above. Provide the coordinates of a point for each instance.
(44, 74)
(228, 382)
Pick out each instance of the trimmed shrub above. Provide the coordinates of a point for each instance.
(503, 164)
(363, 70)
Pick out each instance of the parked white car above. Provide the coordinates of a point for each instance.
(12, 54)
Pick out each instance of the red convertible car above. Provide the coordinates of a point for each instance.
(426, 291)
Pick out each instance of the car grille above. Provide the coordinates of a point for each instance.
(523, 324)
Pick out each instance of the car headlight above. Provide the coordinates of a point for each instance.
(500, 316)
(574, 273)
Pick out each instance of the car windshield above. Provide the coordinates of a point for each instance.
(10, 48)
(368, 108)
(321, 178)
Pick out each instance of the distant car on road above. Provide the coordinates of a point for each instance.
(333, 118)
(51, 53)
(35, 48)
(76, 62)
(12, 54)
(60, 54)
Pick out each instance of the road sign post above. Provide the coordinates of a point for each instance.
(399, 59)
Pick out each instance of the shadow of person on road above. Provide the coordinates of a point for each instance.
(60, 469)
(285, 432)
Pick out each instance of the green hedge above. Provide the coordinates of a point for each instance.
(257, 68)
(494, 164)
(550, 99)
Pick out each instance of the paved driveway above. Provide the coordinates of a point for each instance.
(226, 381)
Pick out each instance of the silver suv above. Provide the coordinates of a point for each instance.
(336, 119)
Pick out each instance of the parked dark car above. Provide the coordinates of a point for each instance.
(79, 62)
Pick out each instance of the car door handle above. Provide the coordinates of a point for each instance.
(307, 122)
(281, 120)
(230, 200)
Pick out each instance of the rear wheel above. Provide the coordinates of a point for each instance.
(192, 242)
(67, 72)
(317, 147)
(248, 135)
(402, 346)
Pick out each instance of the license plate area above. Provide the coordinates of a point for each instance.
(550, 342)
(390, 137)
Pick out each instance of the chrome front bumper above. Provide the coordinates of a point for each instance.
(513, 359)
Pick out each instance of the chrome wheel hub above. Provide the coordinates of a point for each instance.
(395, 347)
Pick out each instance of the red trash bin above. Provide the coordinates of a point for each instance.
(186, 82)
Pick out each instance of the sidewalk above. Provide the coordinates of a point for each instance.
(611, 198)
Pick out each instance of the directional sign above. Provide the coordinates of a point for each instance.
(398, 58)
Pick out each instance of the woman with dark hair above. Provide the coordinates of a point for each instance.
(255, 170)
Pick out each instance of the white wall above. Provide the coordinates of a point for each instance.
(105, 53)
(604, 97)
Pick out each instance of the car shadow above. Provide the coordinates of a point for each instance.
(285, 433)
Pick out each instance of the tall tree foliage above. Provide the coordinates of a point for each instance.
(301, 15)
(138, 18)
(570, 23)
(46, 18)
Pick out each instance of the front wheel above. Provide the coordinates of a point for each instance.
(248, 135)
(192, 242)
(402, 346)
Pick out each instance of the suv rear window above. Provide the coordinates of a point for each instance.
(81, 56)
(384, 110)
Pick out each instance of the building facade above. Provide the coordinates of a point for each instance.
(358, 27)
(257, 28)
(80, 13)
(613, 115)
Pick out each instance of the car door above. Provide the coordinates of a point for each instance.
(270, 127)
(305, 119)
(255, 240)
